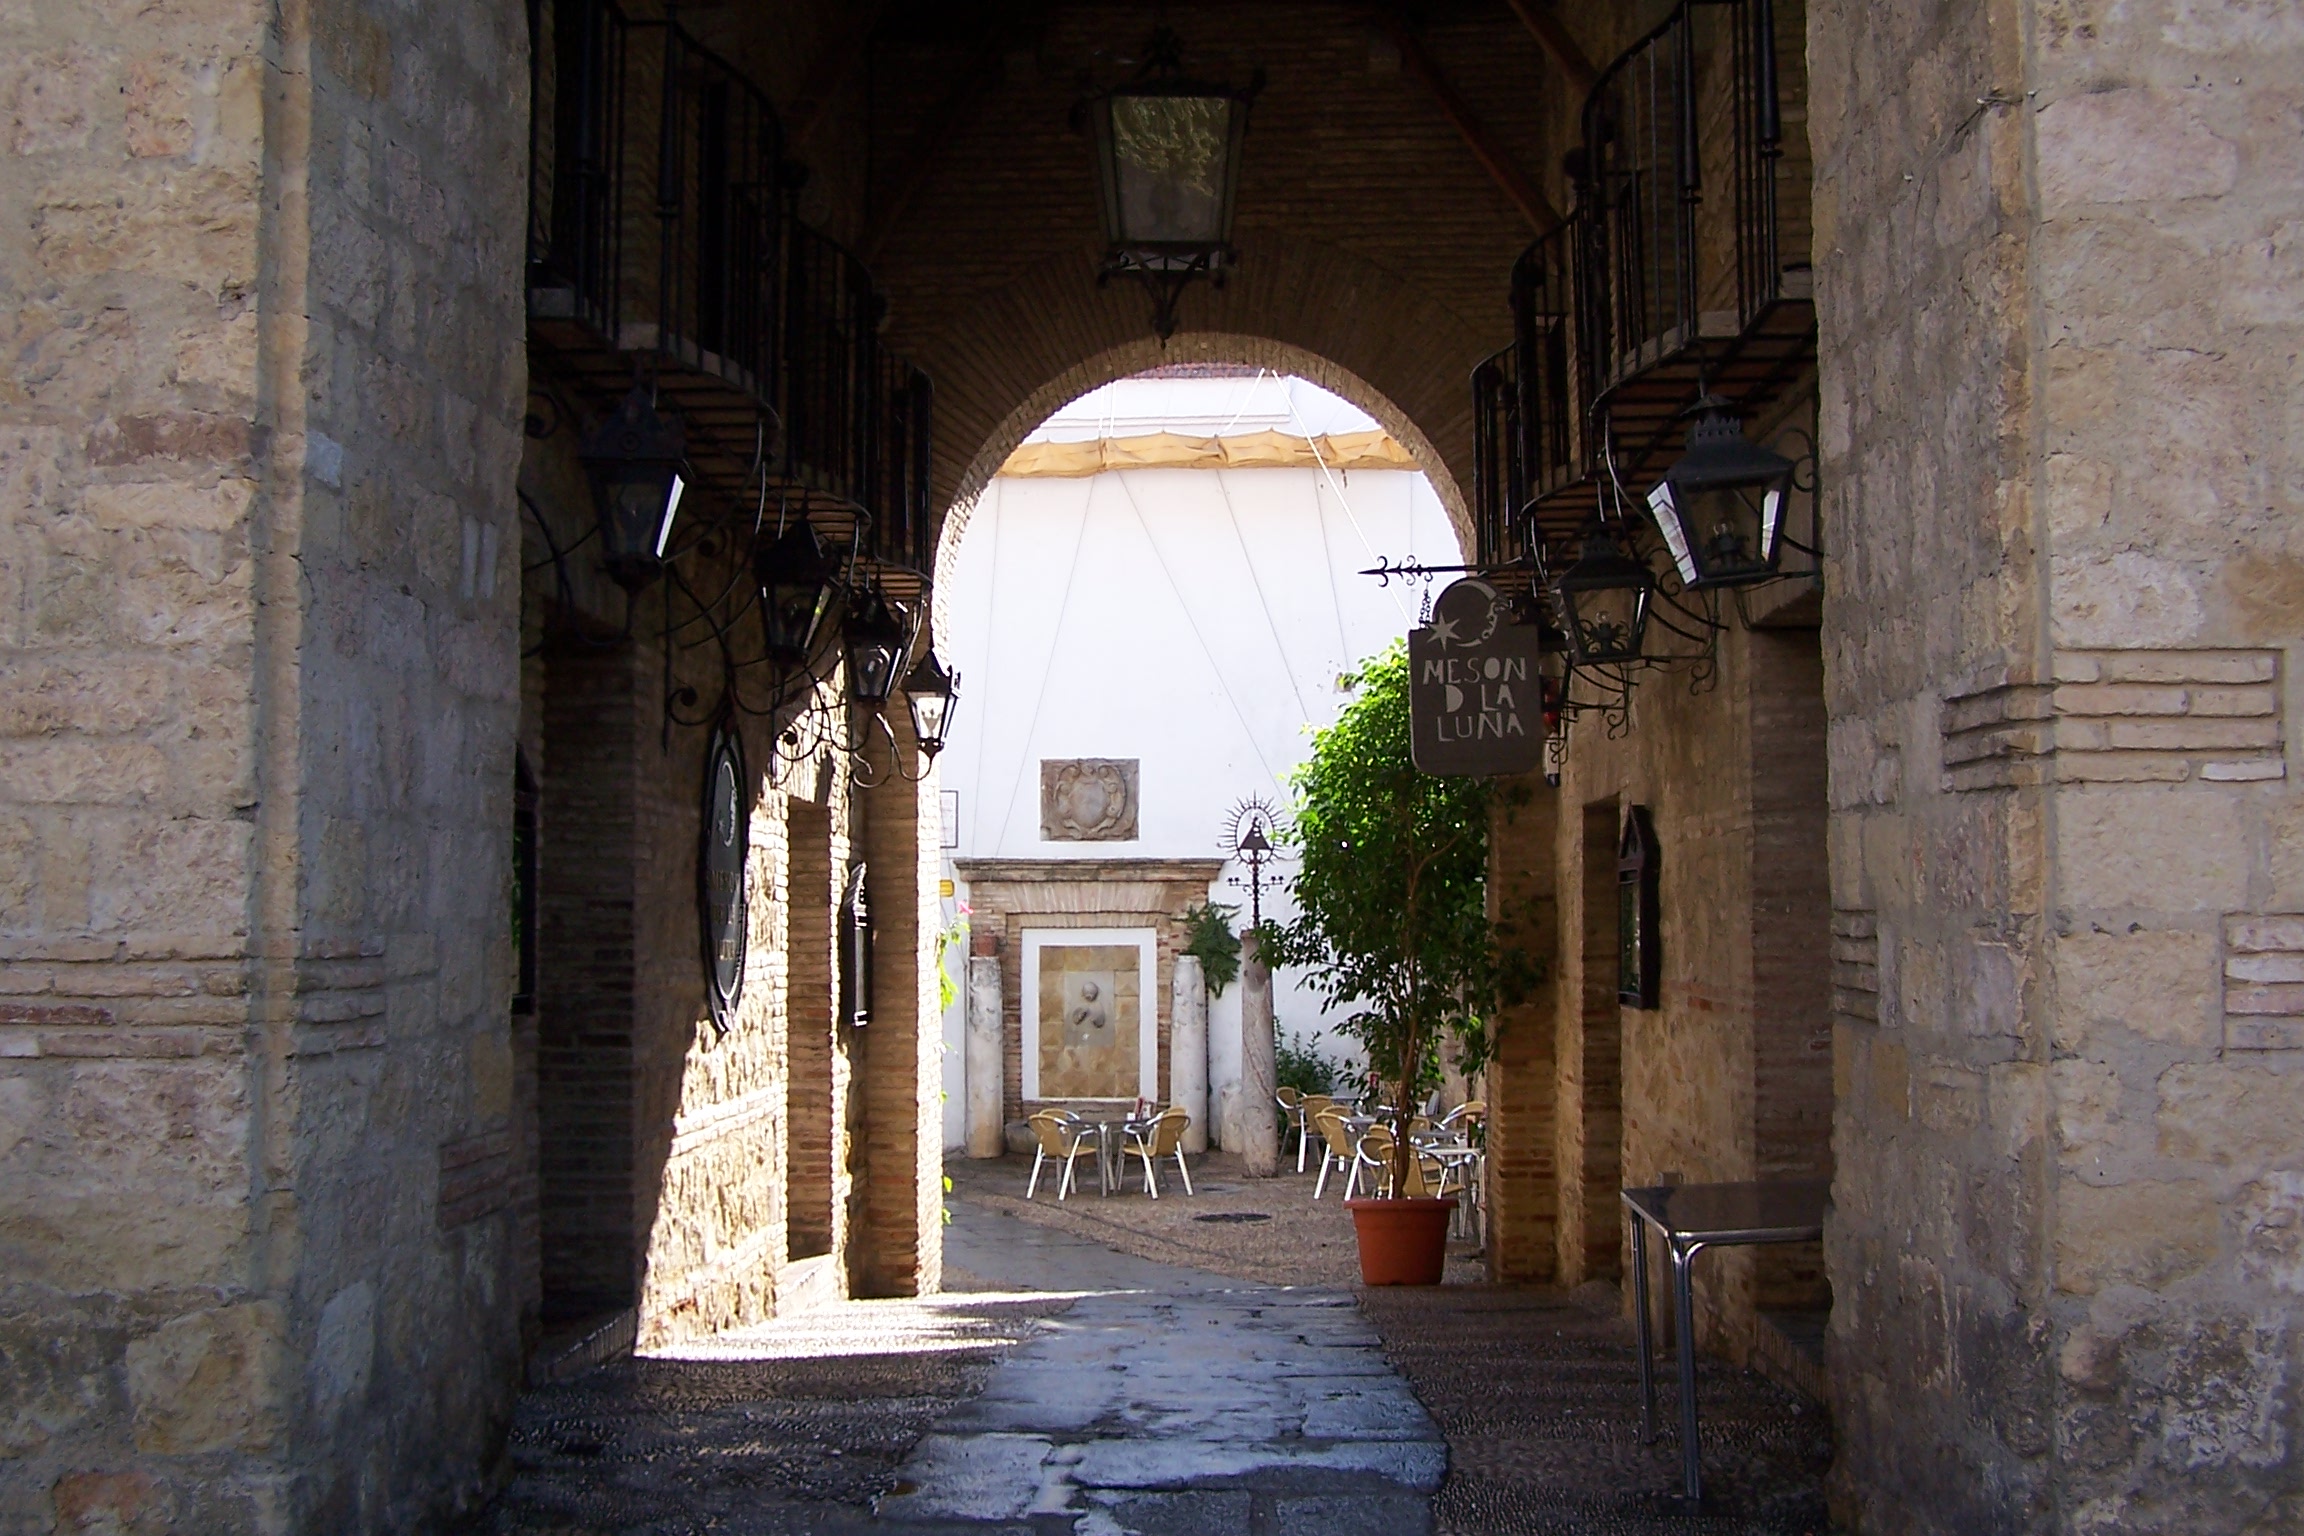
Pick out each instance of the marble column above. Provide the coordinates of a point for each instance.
(987, 1134)
(1188, 1048)
(1259, 1111)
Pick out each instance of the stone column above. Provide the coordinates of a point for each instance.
(1188, 1048)
(2060, 642)
(986, 1133)
(1259, 1114)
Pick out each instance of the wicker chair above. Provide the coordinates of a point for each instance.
(1061, 1137)
(1153, 1140)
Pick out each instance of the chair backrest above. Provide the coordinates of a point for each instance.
(1314, 1103)
(1330, 1124)
(1167, 1132)
(1289, 1098)
(1055, 1131)
(1376, 1143)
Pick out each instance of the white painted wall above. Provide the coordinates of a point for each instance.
(1196, 620)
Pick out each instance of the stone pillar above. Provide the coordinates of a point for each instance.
(1188, 1048)
(1259, 1112)
(2060, 493)
(986, 1134)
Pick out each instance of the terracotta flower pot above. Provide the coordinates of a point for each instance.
(1402, 1242)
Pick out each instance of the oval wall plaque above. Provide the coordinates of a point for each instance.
(722, 877)
(1475, 696)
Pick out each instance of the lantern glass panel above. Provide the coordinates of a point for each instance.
(1170, 163)
(876, 647)
(930, 693)
(797, 587)
(1722, 535)
(1605, 624)
(930, 712)
(635, 501)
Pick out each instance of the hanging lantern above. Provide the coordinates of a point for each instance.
(798, 582)
(929, 692)
(1603, 601)
(1721, 506)
(633, 461)
(877, 644)
(1167, 163)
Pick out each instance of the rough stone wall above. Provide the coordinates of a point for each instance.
(695, 1163)
(261, 266)
(2060, 307)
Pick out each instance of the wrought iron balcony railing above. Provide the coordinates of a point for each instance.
(662, 240)
(1657, 286)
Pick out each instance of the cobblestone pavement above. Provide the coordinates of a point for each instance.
(1065, 1385)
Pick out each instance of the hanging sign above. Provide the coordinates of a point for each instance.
(1475, 699)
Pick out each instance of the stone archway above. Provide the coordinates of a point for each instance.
(1134, 357)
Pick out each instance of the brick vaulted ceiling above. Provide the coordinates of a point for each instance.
(1372, 238)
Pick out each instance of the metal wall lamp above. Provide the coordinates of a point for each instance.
(798, 584)
(877, 641)
(1167, 166)
(633, 461)
(929, 693)
(1603, 600)
(1721, 506)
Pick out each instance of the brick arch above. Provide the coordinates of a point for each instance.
(1013, 355)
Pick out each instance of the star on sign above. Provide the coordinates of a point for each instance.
(1444, 630)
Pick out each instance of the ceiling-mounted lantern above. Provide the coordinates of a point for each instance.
(1603, 601)
(1167, 164)
(929, 693)
(798, 582)
(878, 641)
(633, 461)
(1721, 506)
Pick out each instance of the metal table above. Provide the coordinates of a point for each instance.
(1691, 1218)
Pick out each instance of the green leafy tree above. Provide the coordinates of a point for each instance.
(1391, 885)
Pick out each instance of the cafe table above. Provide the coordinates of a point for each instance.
(1691, 1218)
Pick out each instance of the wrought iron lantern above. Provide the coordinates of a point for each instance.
(1603, 601)
(929, 693)
(877, 644)
(1167, 163)
(798, 582)
(633, 461)
(1721, 506)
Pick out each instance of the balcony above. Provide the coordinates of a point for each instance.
(1684, 267)
(662, 242)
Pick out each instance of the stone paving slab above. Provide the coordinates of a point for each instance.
(1172, 1402)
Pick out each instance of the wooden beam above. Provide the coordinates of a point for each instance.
(1557, 41)
(1493, 157)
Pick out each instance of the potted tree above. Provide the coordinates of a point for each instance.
(1391, 887)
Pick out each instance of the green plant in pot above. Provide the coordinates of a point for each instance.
(1391, 887)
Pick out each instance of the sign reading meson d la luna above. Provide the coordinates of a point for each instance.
(1475, 696)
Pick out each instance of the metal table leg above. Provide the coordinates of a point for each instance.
(1647, 1349)
(1683, 1287)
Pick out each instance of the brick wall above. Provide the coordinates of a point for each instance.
(1727, 1078)
(817, 1073)
(1523, 1083)
(586, 981)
